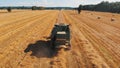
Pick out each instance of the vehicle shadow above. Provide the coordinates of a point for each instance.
(41, 49)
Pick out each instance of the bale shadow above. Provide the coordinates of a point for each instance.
(41, 49)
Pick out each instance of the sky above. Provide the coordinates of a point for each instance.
(50, 3)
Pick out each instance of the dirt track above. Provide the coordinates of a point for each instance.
(95, 42)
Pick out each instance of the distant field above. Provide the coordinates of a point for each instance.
(13, 11)
(95, 39)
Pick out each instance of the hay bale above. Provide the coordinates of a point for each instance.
(112, 19)
(98, 17)
(9, 9)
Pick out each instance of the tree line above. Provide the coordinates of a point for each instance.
(9, 9)
(104, 6)
(37, 8)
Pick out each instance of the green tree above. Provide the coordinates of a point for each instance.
(34, 7)
(79, 9)
(9, 9)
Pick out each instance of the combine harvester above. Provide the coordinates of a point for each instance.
(60, 35)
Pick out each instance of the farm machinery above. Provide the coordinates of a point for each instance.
(60, 36)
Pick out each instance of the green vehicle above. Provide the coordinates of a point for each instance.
(60, 36)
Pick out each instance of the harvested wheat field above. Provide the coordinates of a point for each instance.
(95, 39)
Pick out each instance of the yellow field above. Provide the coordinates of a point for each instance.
(23, 44)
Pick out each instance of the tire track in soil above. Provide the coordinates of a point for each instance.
(91, 51)
(114, 62)
(59, 56)
(104, 41)
(82, 61)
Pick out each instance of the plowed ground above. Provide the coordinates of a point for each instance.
(95, 41)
